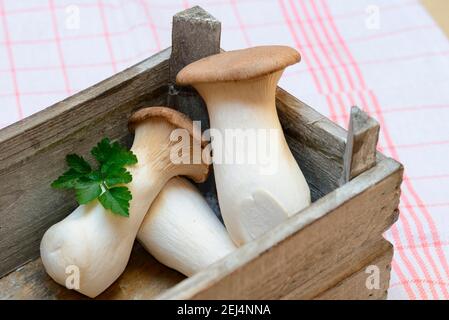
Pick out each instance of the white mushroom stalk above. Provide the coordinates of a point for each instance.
(239, 89)
(98, 243)
(181, 231)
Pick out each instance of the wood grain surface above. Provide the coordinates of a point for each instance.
(361, 145)
(144, 278)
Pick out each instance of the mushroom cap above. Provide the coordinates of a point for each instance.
(170, 115)
(235, 65)
(177, 119)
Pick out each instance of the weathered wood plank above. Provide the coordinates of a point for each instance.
(317, 143)
(32, 152)
(342, 270)
(360, 151)
(195, 35)
(354, 287)
(144, 277)
(292, 256)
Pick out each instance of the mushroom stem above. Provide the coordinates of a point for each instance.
(262, 185)
(98, 243)
(181, 231)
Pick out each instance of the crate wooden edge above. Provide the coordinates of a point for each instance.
(206, 279)
(354, 286)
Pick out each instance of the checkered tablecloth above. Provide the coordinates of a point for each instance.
(386, 56)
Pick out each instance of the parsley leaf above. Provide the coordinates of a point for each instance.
(117, 175)
(78, 163)
(87, 191)
(104, 183)
(68, 180)
(107, 153)
(117, 200)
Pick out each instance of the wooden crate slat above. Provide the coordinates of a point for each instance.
(360, 151)
(317, 143)
(144, 278)
(354, 287)
(306, 245)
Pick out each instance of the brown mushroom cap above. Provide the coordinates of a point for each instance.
(177, 119)
(170, 115)
(238, 65)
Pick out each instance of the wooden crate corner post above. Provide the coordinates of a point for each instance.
(361, 143)
(195, 35)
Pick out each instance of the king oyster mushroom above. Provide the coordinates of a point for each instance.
(239, 89)
(98, 242)
(181, 230)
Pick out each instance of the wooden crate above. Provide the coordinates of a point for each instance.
(320, 253)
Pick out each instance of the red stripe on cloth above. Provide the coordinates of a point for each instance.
(362, 82)
(153, 28)
(336, 51)
(418, 145)
(411, 241)
(226, 27)
(299, 45)
(106, 36)
(382, 61)
(385, 8)
(397, 270)
(342, 42)
(423, 245)
(427, 281)
(316, 58)
(235, 9)
(329, 58)
(390, 143)
(54, 21)
(10, 55)
(130, 59)
(405, 258)
(428, 205)
(410, 108)
(408, 232)
(432, 177)
(393, 33)
(35, 93)
(414, 195)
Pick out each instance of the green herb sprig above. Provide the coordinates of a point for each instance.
(104, 183)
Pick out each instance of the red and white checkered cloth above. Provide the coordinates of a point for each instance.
(386, 56)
